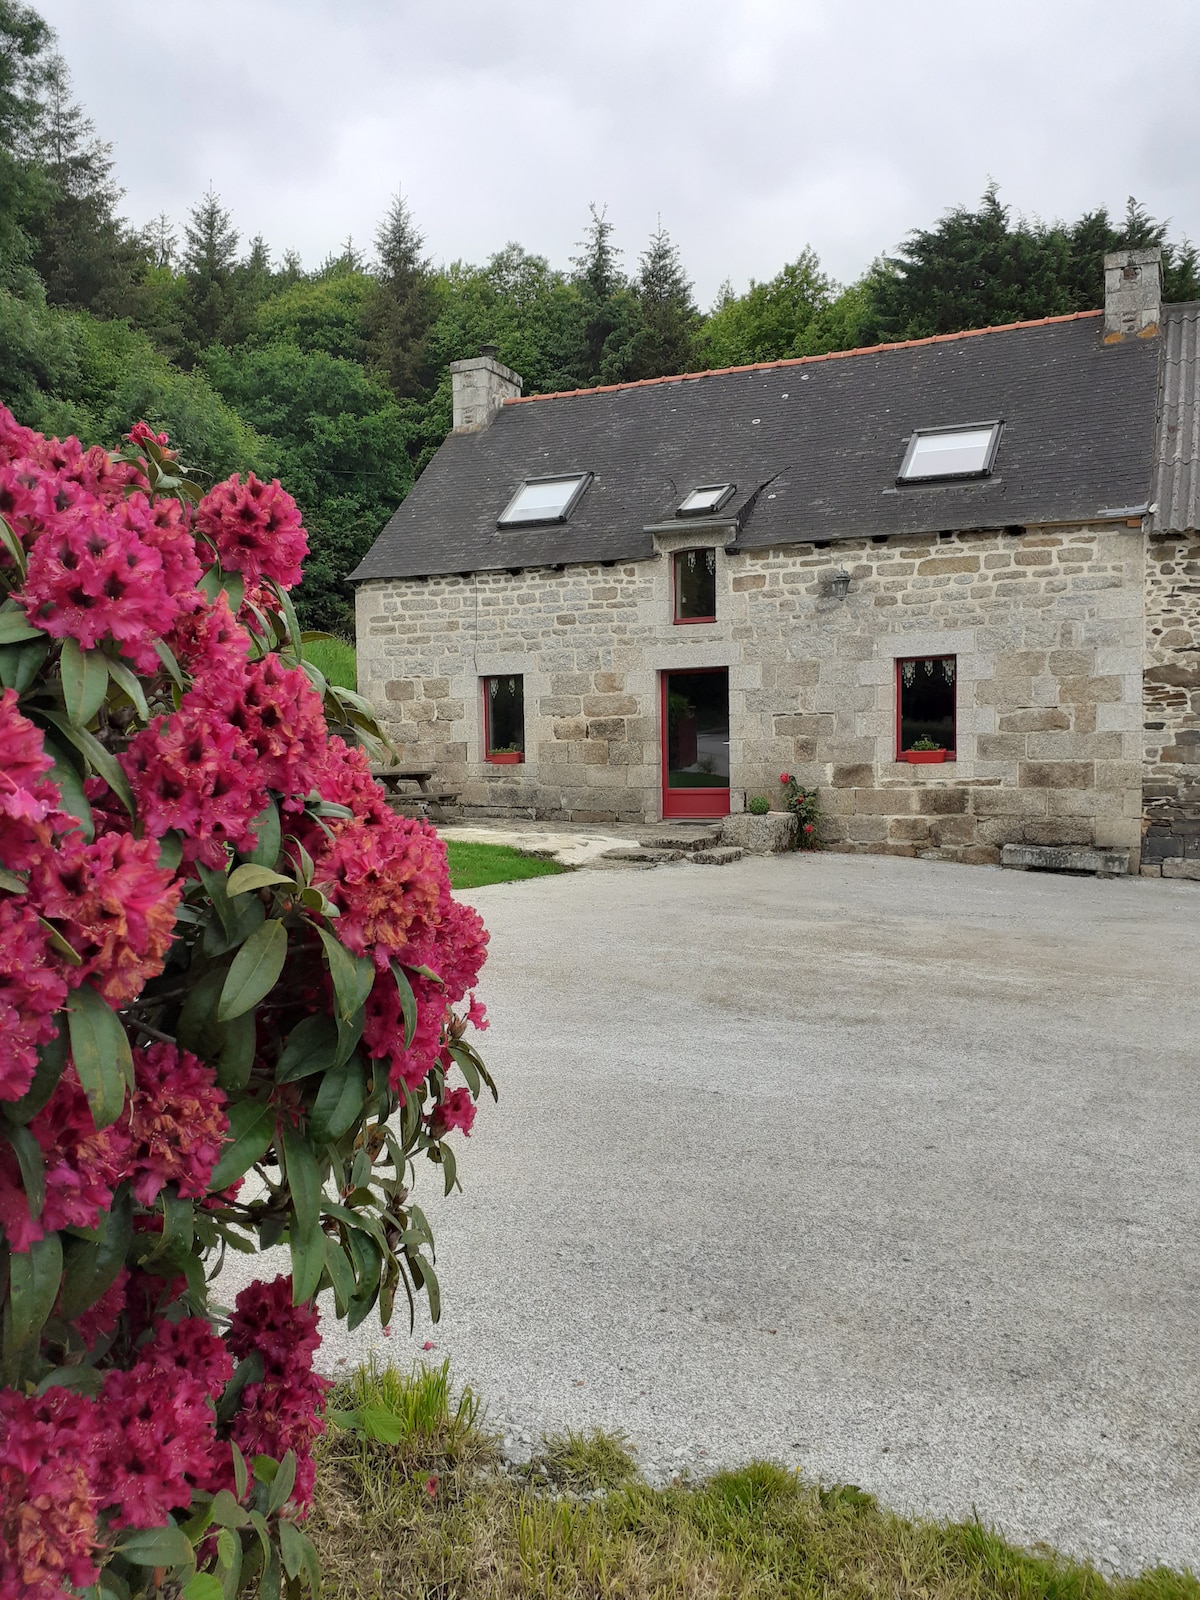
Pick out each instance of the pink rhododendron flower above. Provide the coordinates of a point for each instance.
(283, 1412)
(48, 1449)
(27, 796)
(177, 1123)
(256, 530)
(91, 578)
(457, 1110)
(99, 1319)
(162, 525)
(209, 644)
(114, 905)
(32, 989)
(83, 1168)
(160, 1437)
(279, 713)
(195, 773)
(142, 431)
(386, 882)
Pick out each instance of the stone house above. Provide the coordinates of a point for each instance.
(649, 600)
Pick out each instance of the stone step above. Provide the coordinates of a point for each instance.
(1109, 862)
(686, 840)
(641, 854)
(719, 856)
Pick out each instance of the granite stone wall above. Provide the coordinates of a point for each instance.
(1172, 708)
(1046, 626)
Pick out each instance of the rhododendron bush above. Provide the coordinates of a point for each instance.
(234, 996)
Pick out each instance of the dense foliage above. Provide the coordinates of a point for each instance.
(234, 986)
(337, 378)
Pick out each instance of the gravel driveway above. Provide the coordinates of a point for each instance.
(885, 1169)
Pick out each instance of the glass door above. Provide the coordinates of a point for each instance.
(695, 743)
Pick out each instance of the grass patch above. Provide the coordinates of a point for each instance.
(432, 1515)
(336, 659)
(472, 865)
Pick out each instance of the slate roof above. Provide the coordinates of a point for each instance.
(814, 446)
(1177, 456)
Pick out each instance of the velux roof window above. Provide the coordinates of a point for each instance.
(705, 499)
(950, 453)
(545, 499)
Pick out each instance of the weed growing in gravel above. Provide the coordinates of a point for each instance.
(586, 1461)
(436, 1515)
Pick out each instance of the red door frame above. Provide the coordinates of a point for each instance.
(690, 804)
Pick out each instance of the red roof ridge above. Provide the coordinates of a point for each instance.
(804, 361)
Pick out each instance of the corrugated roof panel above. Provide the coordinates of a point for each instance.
(1177, 455)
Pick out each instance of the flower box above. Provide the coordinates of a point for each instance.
(505, 758)
(923, 758)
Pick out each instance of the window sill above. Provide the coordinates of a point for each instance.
(947, 760)
(505, 759)
(687, 622)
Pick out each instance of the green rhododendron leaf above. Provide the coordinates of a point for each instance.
(31, 1163)
(352, 975)
(15, 628)
(33, 1279)
(157, 1547)
(251, 1130)
(310, 1048)
(100, 1051)
(255, 970)
(253, 876)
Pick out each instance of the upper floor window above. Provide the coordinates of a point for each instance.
(545, 499)
(950, 452)
(696, 585)
(926, 719)
(704, 500)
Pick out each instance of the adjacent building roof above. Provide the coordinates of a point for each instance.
(1176, 492)
(814, 446)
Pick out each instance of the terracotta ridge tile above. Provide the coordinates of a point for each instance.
(803, 361)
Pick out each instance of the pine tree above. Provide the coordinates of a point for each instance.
(25, 45)
(84, 254)
(604, 295)
(210, 302)
(400, 312)
(668, 321)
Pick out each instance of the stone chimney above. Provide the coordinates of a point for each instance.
(481, 386)
(1132, 294)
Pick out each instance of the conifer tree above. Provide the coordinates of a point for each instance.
(667, 318)
(604, 295)
(25, 44)
(210, 309)
(83, 253)
(400, 312)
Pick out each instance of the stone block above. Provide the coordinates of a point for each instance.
(1000, 746)
(606, 728)
(570, 728)
(1056, 774)
(610, 705)
(609, 682)
(400, 689)
(852, 777)
(1049, 858)
(941, 802)
(1034, 719)
(435, 688)
(773, 834)
(1182, 869)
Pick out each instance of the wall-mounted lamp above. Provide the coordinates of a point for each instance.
(839, 584)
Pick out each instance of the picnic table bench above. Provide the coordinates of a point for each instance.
(426, 800)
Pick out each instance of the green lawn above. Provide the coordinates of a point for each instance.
(472, 865)
(429, 1513)
(336, 659)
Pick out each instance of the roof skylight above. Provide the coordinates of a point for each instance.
(950, 453)
(705, 499)
(545, 499)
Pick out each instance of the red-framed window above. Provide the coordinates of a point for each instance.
(926, 703)
(695, 585)
(504, 719)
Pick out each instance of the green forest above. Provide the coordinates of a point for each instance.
(336, 379)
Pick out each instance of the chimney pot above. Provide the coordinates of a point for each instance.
(480, 387)
(1132, 294)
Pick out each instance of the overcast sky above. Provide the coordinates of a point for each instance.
(754, 127)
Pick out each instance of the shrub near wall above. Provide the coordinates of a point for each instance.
(233, 989)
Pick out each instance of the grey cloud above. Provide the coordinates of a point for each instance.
(753, 126)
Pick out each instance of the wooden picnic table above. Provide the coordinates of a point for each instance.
(430, 799)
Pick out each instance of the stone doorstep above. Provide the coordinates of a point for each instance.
(718, 856)
(642, 854)
(1110, 863)
(684, 840)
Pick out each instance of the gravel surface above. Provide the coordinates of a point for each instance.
(881, 1168)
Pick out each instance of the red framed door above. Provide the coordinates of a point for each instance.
(695, 742)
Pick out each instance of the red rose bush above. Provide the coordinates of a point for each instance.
(234, 992)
